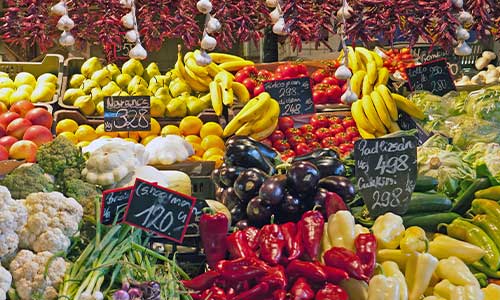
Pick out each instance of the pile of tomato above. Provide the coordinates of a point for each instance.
(399, 60)
(327, 89)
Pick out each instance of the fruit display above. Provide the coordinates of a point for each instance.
(25, 86)
(398, 60)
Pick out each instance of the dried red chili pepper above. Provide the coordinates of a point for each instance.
(202, 281)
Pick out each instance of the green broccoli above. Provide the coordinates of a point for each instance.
(83, 192)
(58, 155)
(27, 179)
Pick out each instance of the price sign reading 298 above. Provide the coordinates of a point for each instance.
(294, 95)
(127, 113)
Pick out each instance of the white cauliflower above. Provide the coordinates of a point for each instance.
(30, 278)
(13, 216)
(5, 282)
(52, 220)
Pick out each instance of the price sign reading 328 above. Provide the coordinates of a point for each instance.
(127, 113)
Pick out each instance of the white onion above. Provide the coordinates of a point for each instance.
(343, 73)
(128, 20)
(275, 15)
(132, 36)
(65, 23)
(213, 25)
(204, 6)
(66, 39)
(208, 43)
(59, 9)
(279, 27)
(138, 52)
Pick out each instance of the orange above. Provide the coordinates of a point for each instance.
(211, 141)
(101, 132)
(211, 128)
(190, 125)
(194, 158)
(148, 139)
(123, 134)
(70, 136)
(105, 137)
(217, 158)
(155, 129)
(193, 139)
(198, 150)
(66, 125)
(85, 133)
(170, 129)
(213, 151)
(134, 135)
(130, 140)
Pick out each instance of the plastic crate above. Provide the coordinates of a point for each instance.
(51, 63)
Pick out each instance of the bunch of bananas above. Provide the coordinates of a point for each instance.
(257, 119)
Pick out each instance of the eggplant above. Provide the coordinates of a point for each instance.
(258, 213)
(218, 193)
(229, 174)
(273, 190)
(245, 155)
(267, 151)
(229, 198)
(248, 183)
(318, 153)
(242, 224)
(302, 178)
(291, 209)
(339, 185)
(238, 212)
(215, 176)
(328, 166)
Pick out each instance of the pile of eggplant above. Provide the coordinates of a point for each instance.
(254, 187)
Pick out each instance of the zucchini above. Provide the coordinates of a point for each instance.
(425, 184)
(464, 200)
(429, 222)
(421, 202)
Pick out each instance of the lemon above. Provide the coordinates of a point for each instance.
(190, 125)
(70, 136)
(198, 150)
(101, 132)
(157, 107)
(211, 128)
(148, 139)
(123, 134)
(105, 137)
(155, 129)
(83, 144)
(194, 158)
(130, 140)
(217, 158)
(211, 141)
(211, 152)
(86, 133)
(66, 125)
(170, 129)
(193, 139)
(134, 135)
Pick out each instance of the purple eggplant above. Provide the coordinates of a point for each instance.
(302, 178)
(238, 212)
(273, 190)
(218, 193)
(229, 198)
(248, 183)
(258, 213)
(242, 224)
(339, 185)
(215, 176)
(291, 209)
(329, 166)
(229, 174)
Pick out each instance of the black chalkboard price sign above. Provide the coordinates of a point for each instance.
(159, 210)
(432, 76)
(386, 172)
(113, 205)
(406, 122)
(294, 95)
(127, 113)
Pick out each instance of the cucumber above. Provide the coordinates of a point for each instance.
(422, 202)
(429, 222)
(425, 183)
(464, 200)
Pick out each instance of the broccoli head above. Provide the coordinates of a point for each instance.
(83, 192)
(58, 155)
(27, 179)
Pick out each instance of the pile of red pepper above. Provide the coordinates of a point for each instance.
(278, 262)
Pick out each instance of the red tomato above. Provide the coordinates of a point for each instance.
(267, 141)
(301, 69)
(334, 93)
(277, 135)
(342, 137)
(405, 50)
(252, 70)
(315, 145)
(284, 123)
(281, 145)
(354, 139)
(240, 76)
(287, 71)
(302, 148)
(294, 140)
(329, 142)
(346, 147)
(319, 121)
(352, 132)
(250, 84)
(259, 89)
(290, 132)
(319, 97)
(323, 133)
(289, 153)
(264, 74)
(336, 129)
(334, 120)
(348, 122)
(318, 76)
(330, 81)
(306, 128)
(309, 137)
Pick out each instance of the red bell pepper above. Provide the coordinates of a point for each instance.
(346, 260)
(334, 203)
(244, 273)
(279, 295)
(331, 292)
(213, 231)
(293, 243)
(252, 235)
(366, 249)
(214, 293)
(258, 291)
(237, 245)
(202, 281)
(276, 277)
(233, 265)
(308, 270)
(301, 290)
(334, 275)
(271, 243)
(312, 226)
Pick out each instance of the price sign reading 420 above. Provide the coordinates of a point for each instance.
(294, 95)
(128, 113)
(386, 173)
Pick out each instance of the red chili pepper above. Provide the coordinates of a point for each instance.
(196, 296)
(237, 245)
(301, 290)
(293, 243)
(346, 260)
(334, 203)
(309, 270)
(276, 277)
(366, 249)
(234, 264)
(252, 235)
(271, 243)
(331, 292)
(335, 275)
(202, 281)
(279, 295)
(214, 293)
(258, 291)
(312, 226)
(244, 273)
(213, 230)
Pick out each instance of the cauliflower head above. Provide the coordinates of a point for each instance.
(13, 217)
(5, 282)
(52, 220)
(30, 278)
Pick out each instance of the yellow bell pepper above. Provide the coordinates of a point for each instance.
(389, 230)
(325, 243)
(383, 288)
(356, 289)
(391, 269)
(491, 292)
(444, 246)
(341, 229)
(473, 292)
(359, 229)
(418, 273)
(455, 270)
(414, 240)
(394, 255)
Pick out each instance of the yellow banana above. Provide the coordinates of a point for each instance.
(187, 74)
(246, 129)
(389, 102)
(236, 123)
(220, 58)
(179, 64)
(225, 78)
(382, 111)
(378, 60)
(361, 119)
(379, 133)
(367, 86)
(227, 96)
(206, 98)
(359, 60)
(365, 134)
(241, 92)
(213, 69)
(268, 118)
(260, 107)
(353, 61)
(394, 127)
(371, 71)
(265, 133)
(193, 66)
(234, 66)
(364, 54)
(216, 97)
(357, 82)
(341, 55)
(202, 80)
(383, 76)
(195, 82)
(371, 113)
(408, 106)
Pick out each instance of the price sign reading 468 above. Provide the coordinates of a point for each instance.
(129, 113)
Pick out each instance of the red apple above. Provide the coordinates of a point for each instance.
(38, 134)
(4, 153)
(7, 141)
(3, 108)
(22, 107)
(40, 116)
(8, 117)
(3, 131)
(23, 150)
(18, 127)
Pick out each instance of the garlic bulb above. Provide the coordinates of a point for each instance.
(465, 17)
(463, 49)
(462, 34)
(126, 3)
(279, 27)
(65, 23)
(138, 52)
(208, 43)
(59, 9)
(202, 58)
(66, 39)
(349, 96)
(213, 25)
(343, 73)
(271, 3)
(204, 6)
(275, 15)
(345, 12)
(132, 36)
(458, 3)
(128, 20)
